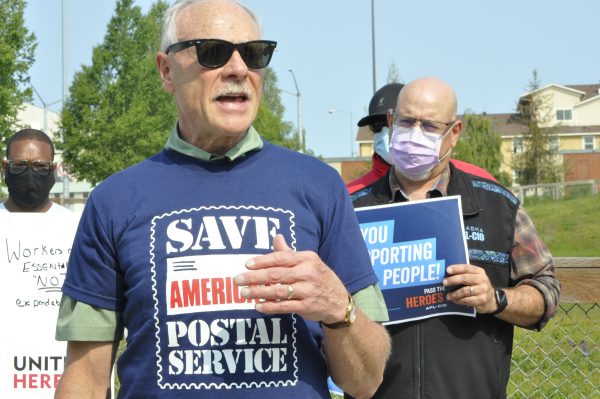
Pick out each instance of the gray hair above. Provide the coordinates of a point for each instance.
(169, 29)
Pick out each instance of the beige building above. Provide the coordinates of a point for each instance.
(575, 112)
(364, 137)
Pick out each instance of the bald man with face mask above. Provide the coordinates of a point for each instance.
(382, 102)
(510, 279)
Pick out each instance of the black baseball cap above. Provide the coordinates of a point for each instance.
(383, 99)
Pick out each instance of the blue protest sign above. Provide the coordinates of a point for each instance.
(411, 244)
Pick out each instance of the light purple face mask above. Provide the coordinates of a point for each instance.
(415, 153)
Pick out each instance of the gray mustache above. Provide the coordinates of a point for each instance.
(233, 89)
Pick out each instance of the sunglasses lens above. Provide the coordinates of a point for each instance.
(213, 53)
(256, 55)
(41, 168)
(16, 168)
(377, 126)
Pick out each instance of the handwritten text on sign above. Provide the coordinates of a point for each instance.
(34, 253)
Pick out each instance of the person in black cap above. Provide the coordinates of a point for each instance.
(383, 100)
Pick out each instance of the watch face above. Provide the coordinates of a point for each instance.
(501, 298)
(352, 312)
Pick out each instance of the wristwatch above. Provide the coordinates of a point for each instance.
(350, 316)
(501, 300)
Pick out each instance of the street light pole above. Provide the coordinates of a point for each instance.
(64, 50)
(299, 113)
(46, 106)
(333, 110)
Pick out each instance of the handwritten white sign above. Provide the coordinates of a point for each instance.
(34, 254)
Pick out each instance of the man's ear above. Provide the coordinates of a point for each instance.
(456, 131)
(390, 119)
(164, 69)
(4, 164)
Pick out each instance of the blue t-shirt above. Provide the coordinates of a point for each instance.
(161, 242)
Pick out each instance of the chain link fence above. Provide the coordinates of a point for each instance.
(561, 361)
(556, 191)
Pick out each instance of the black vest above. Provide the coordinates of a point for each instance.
(457, 357)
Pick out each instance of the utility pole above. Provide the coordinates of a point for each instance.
(373, 43)
(65, 178)
(299, 113)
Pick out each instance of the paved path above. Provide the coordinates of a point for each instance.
(579, 279)
(577, 262)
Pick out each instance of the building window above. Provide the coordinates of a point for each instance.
(554, 143)
(524, 107)
(516, 176)
(588, 142)
(564, 115)
(517, 146)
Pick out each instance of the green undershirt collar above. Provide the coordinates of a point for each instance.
(250, 142)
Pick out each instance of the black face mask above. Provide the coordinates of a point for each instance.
(28, 189)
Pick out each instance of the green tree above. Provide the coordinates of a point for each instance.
(481, 145)
(269, 119)
(538, 162)
(118, 114)
(393, 74)
(17, 52)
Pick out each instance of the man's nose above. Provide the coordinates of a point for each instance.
(236, 65)
(417, 123)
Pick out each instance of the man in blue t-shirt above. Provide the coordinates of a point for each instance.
(236, 266)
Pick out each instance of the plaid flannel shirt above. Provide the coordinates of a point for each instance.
(531, 261)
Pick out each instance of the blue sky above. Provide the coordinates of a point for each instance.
(485, 49)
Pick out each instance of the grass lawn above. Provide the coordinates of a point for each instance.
(562, 360)
(570, 227)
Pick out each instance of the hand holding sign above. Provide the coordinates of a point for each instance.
(477, 290)
(316, 292)
(410, 244)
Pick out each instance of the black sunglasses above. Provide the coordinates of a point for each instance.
(214, 53)
(376, 127)
(41, 168)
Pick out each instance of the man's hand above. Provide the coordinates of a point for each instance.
(477, 290)
(355, 355)
(294, 282)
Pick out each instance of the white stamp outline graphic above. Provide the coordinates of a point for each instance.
(233, 385)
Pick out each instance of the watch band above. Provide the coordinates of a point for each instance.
(501, 300)
(348, 320)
